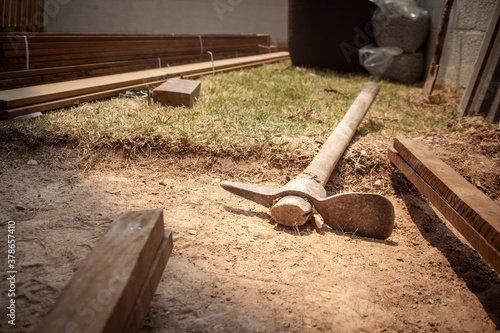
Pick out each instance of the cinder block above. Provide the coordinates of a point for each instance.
(177, 92)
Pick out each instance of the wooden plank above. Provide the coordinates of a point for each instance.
(71, 49)
(96, 57)
(10, 80)
(30, 95)
(65, 102)
(438, 50)
(141, 306)
(104, 290)
(72, 37)
(491, 104)
(47, 66)
(177, 92)
(493, 115)
(476, 240)
(17, 13)
(191, 41)
(474, 92)
(482, 213)
(18, 50)
(95, 53)
(482, 91)
(36, 19)
(128, 57)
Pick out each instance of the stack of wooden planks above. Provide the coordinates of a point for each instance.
(44, 97)
(42, 71)
(113, 288)
(34, 58)
(471, 212)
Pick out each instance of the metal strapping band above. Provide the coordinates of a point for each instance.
(213, 65)
(201, 45)
(27, 52)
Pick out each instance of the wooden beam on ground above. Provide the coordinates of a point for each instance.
(112, 289)
(196, 70)
(470, 211)
(438, 50)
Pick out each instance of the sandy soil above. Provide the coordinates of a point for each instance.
(234, 270)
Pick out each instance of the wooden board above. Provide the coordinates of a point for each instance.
(474, 206)
(141, 306)
(192, 40)
(94, 55)
(104, 291)
(30, 95)
(490, 108)
(19, 50)
(438, 50)
(74, 100)
(16, 37)
(478, 242)
(14, 50)
(15, 79)
(486, 62)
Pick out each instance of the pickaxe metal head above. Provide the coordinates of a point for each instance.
(363, 214)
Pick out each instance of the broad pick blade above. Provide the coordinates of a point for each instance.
(362, 214)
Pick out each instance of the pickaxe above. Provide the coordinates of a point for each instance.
(364, 214)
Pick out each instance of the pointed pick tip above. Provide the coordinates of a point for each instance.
(228, 186)
(224, 183)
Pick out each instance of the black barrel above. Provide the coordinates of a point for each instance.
(328, 33)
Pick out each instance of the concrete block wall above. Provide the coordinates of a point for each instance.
(468, 23)
(168, 16)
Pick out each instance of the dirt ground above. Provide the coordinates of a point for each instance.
(232, 268)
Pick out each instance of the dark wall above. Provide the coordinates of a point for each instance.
(328, 33)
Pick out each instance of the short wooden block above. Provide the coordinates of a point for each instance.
(177, 92)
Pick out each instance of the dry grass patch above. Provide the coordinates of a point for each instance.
(248, 108)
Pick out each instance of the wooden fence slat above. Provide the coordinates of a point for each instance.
(22, 15)
(18, 13)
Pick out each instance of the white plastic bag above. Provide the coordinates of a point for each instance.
(392, 63)
(376, 60)
(400, 23)
(406, 8)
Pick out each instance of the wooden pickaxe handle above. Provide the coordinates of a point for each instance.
(287, 209)
(321, 167)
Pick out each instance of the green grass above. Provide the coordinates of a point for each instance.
(248, 108)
